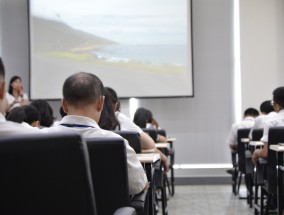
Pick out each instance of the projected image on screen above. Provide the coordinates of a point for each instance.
(139, 48)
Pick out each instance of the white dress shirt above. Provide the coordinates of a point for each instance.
(247, 122)
(277, 120)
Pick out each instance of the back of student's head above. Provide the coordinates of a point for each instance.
(266, 107)
(46, 112)
(108, 119)
(141, 117)
(278, 96)
(26, 113)
(251, 112)
(82, 89)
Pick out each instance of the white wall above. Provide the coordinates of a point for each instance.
(201, 123)
(262, 49)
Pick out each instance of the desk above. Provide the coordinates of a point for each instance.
(148, 160)
(279, 153)
(256, 143)
(171, 139)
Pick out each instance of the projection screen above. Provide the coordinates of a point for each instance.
(140, 48)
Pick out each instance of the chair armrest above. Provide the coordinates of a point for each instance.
(138, 201)
(125, 211)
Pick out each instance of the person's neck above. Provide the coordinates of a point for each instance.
(16, 93)
(86, 112)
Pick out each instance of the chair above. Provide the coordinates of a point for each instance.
(245, 166)
(160, 178)
(133, 139)
(269, 188)
(110, 176)
(45, 174)
(170, 153)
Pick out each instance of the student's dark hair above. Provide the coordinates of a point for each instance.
(251, 112)
(108, 121)
(2, 69)
(278, 96)
(14, 78)
(61, 111)
(26, 113)
(141, 117)
(266, 107)
(112, 94)
(46, 112)
(82, 89)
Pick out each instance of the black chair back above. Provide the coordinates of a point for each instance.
(45, 174)
(153, 133)
(275, 136)
(133, 139)
(109, 173)
(242, 133)
(257, 134)
(162, 132)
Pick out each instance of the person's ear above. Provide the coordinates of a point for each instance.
(64, 105)
(100, 103)
(35, 124)
(2, 90)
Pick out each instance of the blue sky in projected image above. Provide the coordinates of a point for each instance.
(124, 21)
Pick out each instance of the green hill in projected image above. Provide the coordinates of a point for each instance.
(50, 35)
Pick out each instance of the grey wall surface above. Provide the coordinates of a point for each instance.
(200, 124)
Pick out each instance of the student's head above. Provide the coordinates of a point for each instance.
(83, 91)
(26, 113)
(141, 117)
(113, 98)
(266, 107)
(278, 99)
(251, 112)
(15, 84)
(46, 112)
(108, 119)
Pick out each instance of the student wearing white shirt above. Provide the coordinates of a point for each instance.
(274, 121)
(115, 120)
(83, 100)
(9, 128)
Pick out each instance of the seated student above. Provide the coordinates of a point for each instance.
(266, 111)
(83, 100)
(9, 128)
(27, 115)
(46, 112)
(143, 117)
(15, 95)
(248, 121)
(276, 120)
(115, 120)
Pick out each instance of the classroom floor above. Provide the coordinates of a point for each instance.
(208, 199)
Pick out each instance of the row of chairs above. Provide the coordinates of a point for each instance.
(63, 174)
(264, 177)
(161, 180)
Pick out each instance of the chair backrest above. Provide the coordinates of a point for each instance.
(45, 174)
(153, 133)
(162, 132)
(275, 136)
(109, 173)
(242, 133)
(133, 139)
(257, 134)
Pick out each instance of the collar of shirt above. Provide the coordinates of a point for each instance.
(249, 118)
(2, 118)
(79, 120)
